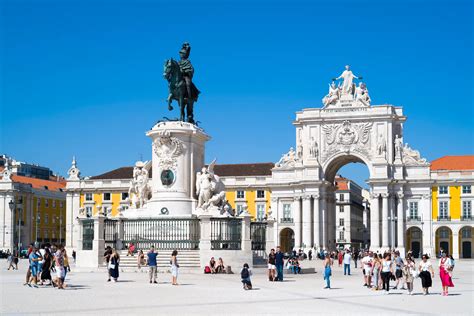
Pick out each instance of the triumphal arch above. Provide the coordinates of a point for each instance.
(348, 128)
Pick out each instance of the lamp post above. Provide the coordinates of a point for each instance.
(37, 226)
(19, 229)
(12, 206)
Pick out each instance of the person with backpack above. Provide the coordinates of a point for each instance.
(245, 276)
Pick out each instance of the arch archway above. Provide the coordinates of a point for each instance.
(287, 239)
(348, 218)
(414, 238)
(466, 242)
(444, 240)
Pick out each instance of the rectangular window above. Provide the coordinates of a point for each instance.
(466, 189)
(53, 220)
(61, 204)
(443, 209)
(45, 234)
(88, 196)
(260, 211)
(413, 209)
(89, 211)
(46, 218)
(443, 190)
(38, 202)
(341, 235)
(287, 211)
(341, 222)
(443, 233)
(466, 232)
(466, 209)
(415, 233)
(107, 196)
(341, 197)
(240, 194)
(341, 208)
(124, 196)
(260, 194)
(46, 202)
(54, 203)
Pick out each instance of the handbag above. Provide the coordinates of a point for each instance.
(111, 266)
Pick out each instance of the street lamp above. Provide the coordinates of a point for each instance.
(11, 204)
(37, 224)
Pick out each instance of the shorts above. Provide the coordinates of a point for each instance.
(398, 273)
(34, 270)
(60, 272)
(271, 266)
(174, 271)
(367, 271)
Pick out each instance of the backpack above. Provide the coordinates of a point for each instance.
(245, 273)
(207, 270)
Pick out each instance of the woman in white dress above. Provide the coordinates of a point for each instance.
(174, 267)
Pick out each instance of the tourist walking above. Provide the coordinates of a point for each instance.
(339, 257)
(366, 267)
(28, 270)
(15, 259)
(152, 266)
(426, 273)
(46, 270)
(271, 265)
(140, 260)
(174, 267)
(398, 262)
(327, 263)
(409, 272)
(114, 265)
(245, 274)
(10, 261)
(74, 255)
(35, 258)
(376, 268)
(107, 254)
(347, 262)
(355, 257)
(387, 272)
(279, 262)
(59, 266)
(445, 270)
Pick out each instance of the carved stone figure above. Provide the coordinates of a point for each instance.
(412, 156)
(288, 159)
(7, 172)
(362, 94)
(314, 150)
(347, 76)
(333, 95)
(139, 186)
(398, 143)
(300, 152)
(180, 84)
(210, 190)
(381, 145)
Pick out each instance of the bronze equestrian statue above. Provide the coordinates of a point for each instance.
(180, 83)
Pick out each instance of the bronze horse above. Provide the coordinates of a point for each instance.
(178, 91)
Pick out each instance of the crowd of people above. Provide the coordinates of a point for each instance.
(379, 270)
(48, 265)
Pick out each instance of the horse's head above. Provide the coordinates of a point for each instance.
(168, 68)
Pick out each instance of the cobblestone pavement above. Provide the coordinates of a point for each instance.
(89, 293)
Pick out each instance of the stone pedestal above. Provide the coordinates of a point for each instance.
(178, 153)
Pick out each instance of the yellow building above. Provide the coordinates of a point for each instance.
(31, 209)
(452, 202)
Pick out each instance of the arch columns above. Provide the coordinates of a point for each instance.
(306, 229)
(385, 221)
(316, 222)
(400, 208)
(297, 210)
(374, 222)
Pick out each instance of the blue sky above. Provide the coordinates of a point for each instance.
(85, 78)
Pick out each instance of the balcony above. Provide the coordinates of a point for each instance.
(444, 218)
(340, 241)
(286, 220)
(414, 219)
(467, 218)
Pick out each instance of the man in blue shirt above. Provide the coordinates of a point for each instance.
(279, 262)
(152, 264)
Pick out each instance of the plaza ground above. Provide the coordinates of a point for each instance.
(89, 293)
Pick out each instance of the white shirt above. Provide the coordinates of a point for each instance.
(367, 262)
(386, 266)
(347, 258)
(425, 266)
